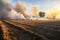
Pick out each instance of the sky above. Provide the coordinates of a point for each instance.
(43, 5)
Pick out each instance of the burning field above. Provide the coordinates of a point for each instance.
(29, 30)
(29, 20)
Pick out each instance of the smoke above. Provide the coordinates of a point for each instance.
(6, 1)
(4, 9)
(35, 11)
(14, 15)
(7, 11)
(10, 12)
(58, 16)
(20, 7)
(53, 14)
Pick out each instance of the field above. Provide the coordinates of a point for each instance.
(29, 30)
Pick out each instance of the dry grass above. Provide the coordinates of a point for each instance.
(34, 29)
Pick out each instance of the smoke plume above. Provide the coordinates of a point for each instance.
(7, 11)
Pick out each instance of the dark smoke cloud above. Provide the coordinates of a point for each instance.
(3, 10)
(6, 11)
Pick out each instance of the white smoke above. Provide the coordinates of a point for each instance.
(8, 12)
(14, 15)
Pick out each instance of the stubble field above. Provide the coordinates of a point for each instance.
(29, 30)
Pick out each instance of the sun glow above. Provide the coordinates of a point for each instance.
(57, 7)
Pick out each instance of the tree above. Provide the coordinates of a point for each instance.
(42, 14)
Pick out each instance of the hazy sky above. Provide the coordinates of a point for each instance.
(42, 4)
